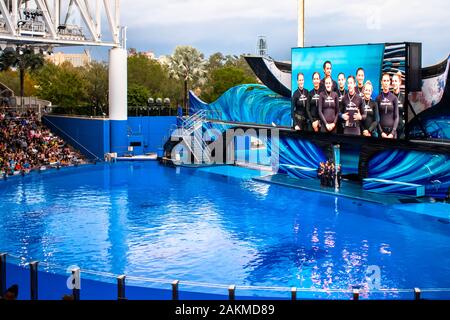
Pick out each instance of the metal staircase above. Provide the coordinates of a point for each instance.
(191, 132)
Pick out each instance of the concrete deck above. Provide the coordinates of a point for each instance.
(145, 157)
(348, 189)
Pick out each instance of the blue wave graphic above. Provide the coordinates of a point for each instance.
(430, 170)
(250, 103)
(298, 158)
(439, 127)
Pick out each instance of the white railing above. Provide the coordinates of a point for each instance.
(271, 291)
(191, 131)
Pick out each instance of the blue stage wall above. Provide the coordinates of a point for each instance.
(93, 136)
(154, 130)
(118, 136)
(90, 136)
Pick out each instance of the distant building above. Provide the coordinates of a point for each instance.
(76, 59)
(149, 54)
(164, 60)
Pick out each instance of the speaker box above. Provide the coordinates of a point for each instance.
(413, 66)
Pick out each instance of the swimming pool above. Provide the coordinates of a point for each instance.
(218, 226)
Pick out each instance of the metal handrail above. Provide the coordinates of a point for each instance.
(188, 127)
(194, 119)
(25, 262)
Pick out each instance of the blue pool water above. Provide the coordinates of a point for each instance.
(210, 225)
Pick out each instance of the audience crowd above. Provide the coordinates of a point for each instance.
(26, 144)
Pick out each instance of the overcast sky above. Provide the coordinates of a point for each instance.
(232, 26)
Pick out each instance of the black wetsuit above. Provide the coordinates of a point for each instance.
(334, 86)
(328, 109)
(401, 114)
(340, 123)
(300, 101)
(341, 94)
(388, 111)
(312, 109)
(359, 91)
(370, 123)
(351, 105)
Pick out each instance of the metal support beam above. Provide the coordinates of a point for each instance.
(2, 273)
(14, 13)
(416, 294)
(175, 295)
(98, 18)
(45, 28)
(7, 16)
(121, 287)
(293, 293)
(87, 19)
(111, 21)
(37, 41)
(34, 280)
(301, 24)
(232, 292)
(57, 12)
(69, 11)
(76, 278)
(47, 18)
(117, 12)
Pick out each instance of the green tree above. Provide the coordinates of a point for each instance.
(215, 61)
(96, 76)
(63, 85)
(11, 79)
(24, 59)
(137, 95)
(170, 88)
(222, 79)
(188, 65)
(146, 72)
(241, 63)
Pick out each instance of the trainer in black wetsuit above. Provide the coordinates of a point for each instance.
(313, 106)
(340, 123)
(401, 114)
(387, 110)
(312, 109)
(327, 67)
(300, 101)
(396, 90)
(333, 88)
(341, 93)
(370, 123)
(360, 75)
(388, 113)
(328, 110)
(352, 105)
(360, 91)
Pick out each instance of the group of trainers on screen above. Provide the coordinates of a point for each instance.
(330, 107)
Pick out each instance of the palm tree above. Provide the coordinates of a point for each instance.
(187, 64)
(23, 59)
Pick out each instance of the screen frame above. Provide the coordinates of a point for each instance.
(406, 69)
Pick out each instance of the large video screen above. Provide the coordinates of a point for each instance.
(340, 90)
